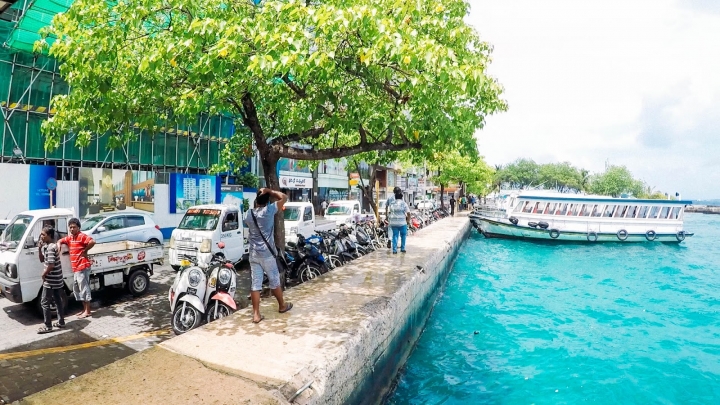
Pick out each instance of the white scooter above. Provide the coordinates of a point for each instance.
(196, 289)
(220, 292)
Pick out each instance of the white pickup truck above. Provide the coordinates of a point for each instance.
(300, 219)
(116, 264)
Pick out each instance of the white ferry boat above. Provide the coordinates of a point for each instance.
(576, 217)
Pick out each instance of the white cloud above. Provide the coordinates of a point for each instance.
(633, 82)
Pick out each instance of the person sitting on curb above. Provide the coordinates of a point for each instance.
(261, 226)
(53, 285)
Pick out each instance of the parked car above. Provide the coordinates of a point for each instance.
(381, 208)
(300, 219)
(114, 227)
(425, 205)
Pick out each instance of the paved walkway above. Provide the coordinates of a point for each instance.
(266, 363)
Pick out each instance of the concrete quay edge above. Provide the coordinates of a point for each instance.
(348, 334)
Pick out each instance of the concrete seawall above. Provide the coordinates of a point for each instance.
(347, 335)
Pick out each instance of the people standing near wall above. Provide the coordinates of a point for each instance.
(52, 278)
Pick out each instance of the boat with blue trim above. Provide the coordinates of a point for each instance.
(539, 214)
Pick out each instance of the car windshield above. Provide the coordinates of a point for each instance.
(338, 210)
(89, 223)
(200, 219)
(291, 213)
(13, 233)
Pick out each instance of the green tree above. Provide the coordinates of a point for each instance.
(308, 80)
(562, 177)
(455, 168)
(616, 180)
(520, 174)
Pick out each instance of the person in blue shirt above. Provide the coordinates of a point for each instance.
(398, 218)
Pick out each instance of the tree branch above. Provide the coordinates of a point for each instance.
(310, 134)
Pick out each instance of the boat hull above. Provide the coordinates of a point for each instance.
(502, 228)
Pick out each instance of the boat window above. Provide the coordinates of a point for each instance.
(643, 211)
(632, 211)
(561, 209)
(664, 212)
(597, 211)
(539, 207)
(587, 210)
(520, 206)
(653, 212)
(620, 211)
(609, 211)
(550, 209)
(528, 207)
(573, 210)
(675, 214)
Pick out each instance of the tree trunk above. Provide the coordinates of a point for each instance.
(368, 192)
(442, 195)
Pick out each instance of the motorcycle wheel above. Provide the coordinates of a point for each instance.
(308, 273)
(185, 318)
(222, 311)
(334, 262)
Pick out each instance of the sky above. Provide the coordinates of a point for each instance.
(596, 82)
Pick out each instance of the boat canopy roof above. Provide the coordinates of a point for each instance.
(552, 196)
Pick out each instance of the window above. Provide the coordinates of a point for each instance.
(528, 207)
(115, 223)
(550, 209)
(664, 212)
(620, 211)
(307, 216)
(562, 209)
(643, 211)
(632, 211)
(609, 211)
(573, 210)
(540, 207)
(135, 220)
(587, 209)
(231, 222)
(597, 211)
(653, 212)
(675, 214)
(519, 207)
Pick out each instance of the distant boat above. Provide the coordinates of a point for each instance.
(557, 216)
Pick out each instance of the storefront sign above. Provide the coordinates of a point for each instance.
(295, 182)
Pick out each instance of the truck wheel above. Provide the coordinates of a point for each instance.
(138, 283)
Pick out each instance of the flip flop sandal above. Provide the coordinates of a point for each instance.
(258, 321)
(44, 329)
(58, 325)
(288, 307)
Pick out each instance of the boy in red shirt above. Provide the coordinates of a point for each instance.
(79, 244)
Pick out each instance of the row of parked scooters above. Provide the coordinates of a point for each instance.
(205, 291)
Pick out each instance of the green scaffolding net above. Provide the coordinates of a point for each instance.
(37, 16)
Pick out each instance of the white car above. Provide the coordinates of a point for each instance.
(135, 226)
(425, 205)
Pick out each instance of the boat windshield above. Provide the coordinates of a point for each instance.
(13, 233)
(200, 219)
(89, 223)
(291, 213)
(338, 210)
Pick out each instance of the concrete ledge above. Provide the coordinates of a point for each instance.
(348, 333)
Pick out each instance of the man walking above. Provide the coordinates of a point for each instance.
(261, 226)
(79, 244)
(399, 218)
(452, 205)
(52, 280)
(324, 207)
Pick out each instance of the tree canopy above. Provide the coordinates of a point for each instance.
(307, 80)
(461, 169)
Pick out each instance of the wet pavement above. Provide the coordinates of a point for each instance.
(120, 326)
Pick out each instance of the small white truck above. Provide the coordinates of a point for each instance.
(115, 264)
(300, 220)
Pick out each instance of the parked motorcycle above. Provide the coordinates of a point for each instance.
(220, 292)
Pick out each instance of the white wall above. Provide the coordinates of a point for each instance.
(68, 195)
(162, 216)
(14, 189)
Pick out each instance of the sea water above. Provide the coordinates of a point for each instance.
(530, 323)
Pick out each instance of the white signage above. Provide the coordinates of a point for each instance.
(295, 182)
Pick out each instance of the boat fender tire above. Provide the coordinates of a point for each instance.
(592, 236)
(554, 233)
(532, 224)
(513, 220)
(650, 235)
(622, 234)
(680, 236)
(543, 225)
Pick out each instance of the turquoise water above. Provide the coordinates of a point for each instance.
(523, 323)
